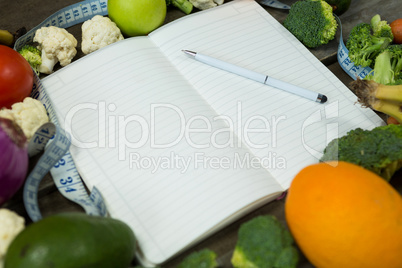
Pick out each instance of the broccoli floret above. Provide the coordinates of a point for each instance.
(387, 66)
(378, 150)
(312, 22)
(33, 56)
(380, 27)
(201, 259)
(264, 242)
(363, 46)
(366, 41)
(183, 5)
(396, 59)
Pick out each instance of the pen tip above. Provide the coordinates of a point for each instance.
(188, 52)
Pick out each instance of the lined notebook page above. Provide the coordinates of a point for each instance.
(156, 150)
(286, 132)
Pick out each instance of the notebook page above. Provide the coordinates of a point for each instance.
(156, 151)
(286, 132)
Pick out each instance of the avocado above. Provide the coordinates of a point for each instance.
(339, 6)
(72, 240)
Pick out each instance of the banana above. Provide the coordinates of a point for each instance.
(6, 38)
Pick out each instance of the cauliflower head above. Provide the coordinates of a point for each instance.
(99, 32)
(206, 4)
(11, 224)
(57, 45)
(29, 115)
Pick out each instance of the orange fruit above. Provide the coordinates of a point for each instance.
(342, 215)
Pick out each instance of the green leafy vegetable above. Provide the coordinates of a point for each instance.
(264, 242)
(388, 66)
(312, 22)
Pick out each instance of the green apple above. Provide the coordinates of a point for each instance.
(137, 17)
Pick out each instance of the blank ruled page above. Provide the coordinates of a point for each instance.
(286, 132)
(155, 149)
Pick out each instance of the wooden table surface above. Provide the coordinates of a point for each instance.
(17, 13)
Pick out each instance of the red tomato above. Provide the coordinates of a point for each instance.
(396, 28)
(16, 77)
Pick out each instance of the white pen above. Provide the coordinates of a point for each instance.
(262, 78)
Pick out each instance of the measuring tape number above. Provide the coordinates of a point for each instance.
(55, 143)
(51, 138)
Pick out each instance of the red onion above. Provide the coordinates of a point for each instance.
(13, 159)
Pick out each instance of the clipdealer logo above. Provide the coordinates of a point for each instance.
(112, 130)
